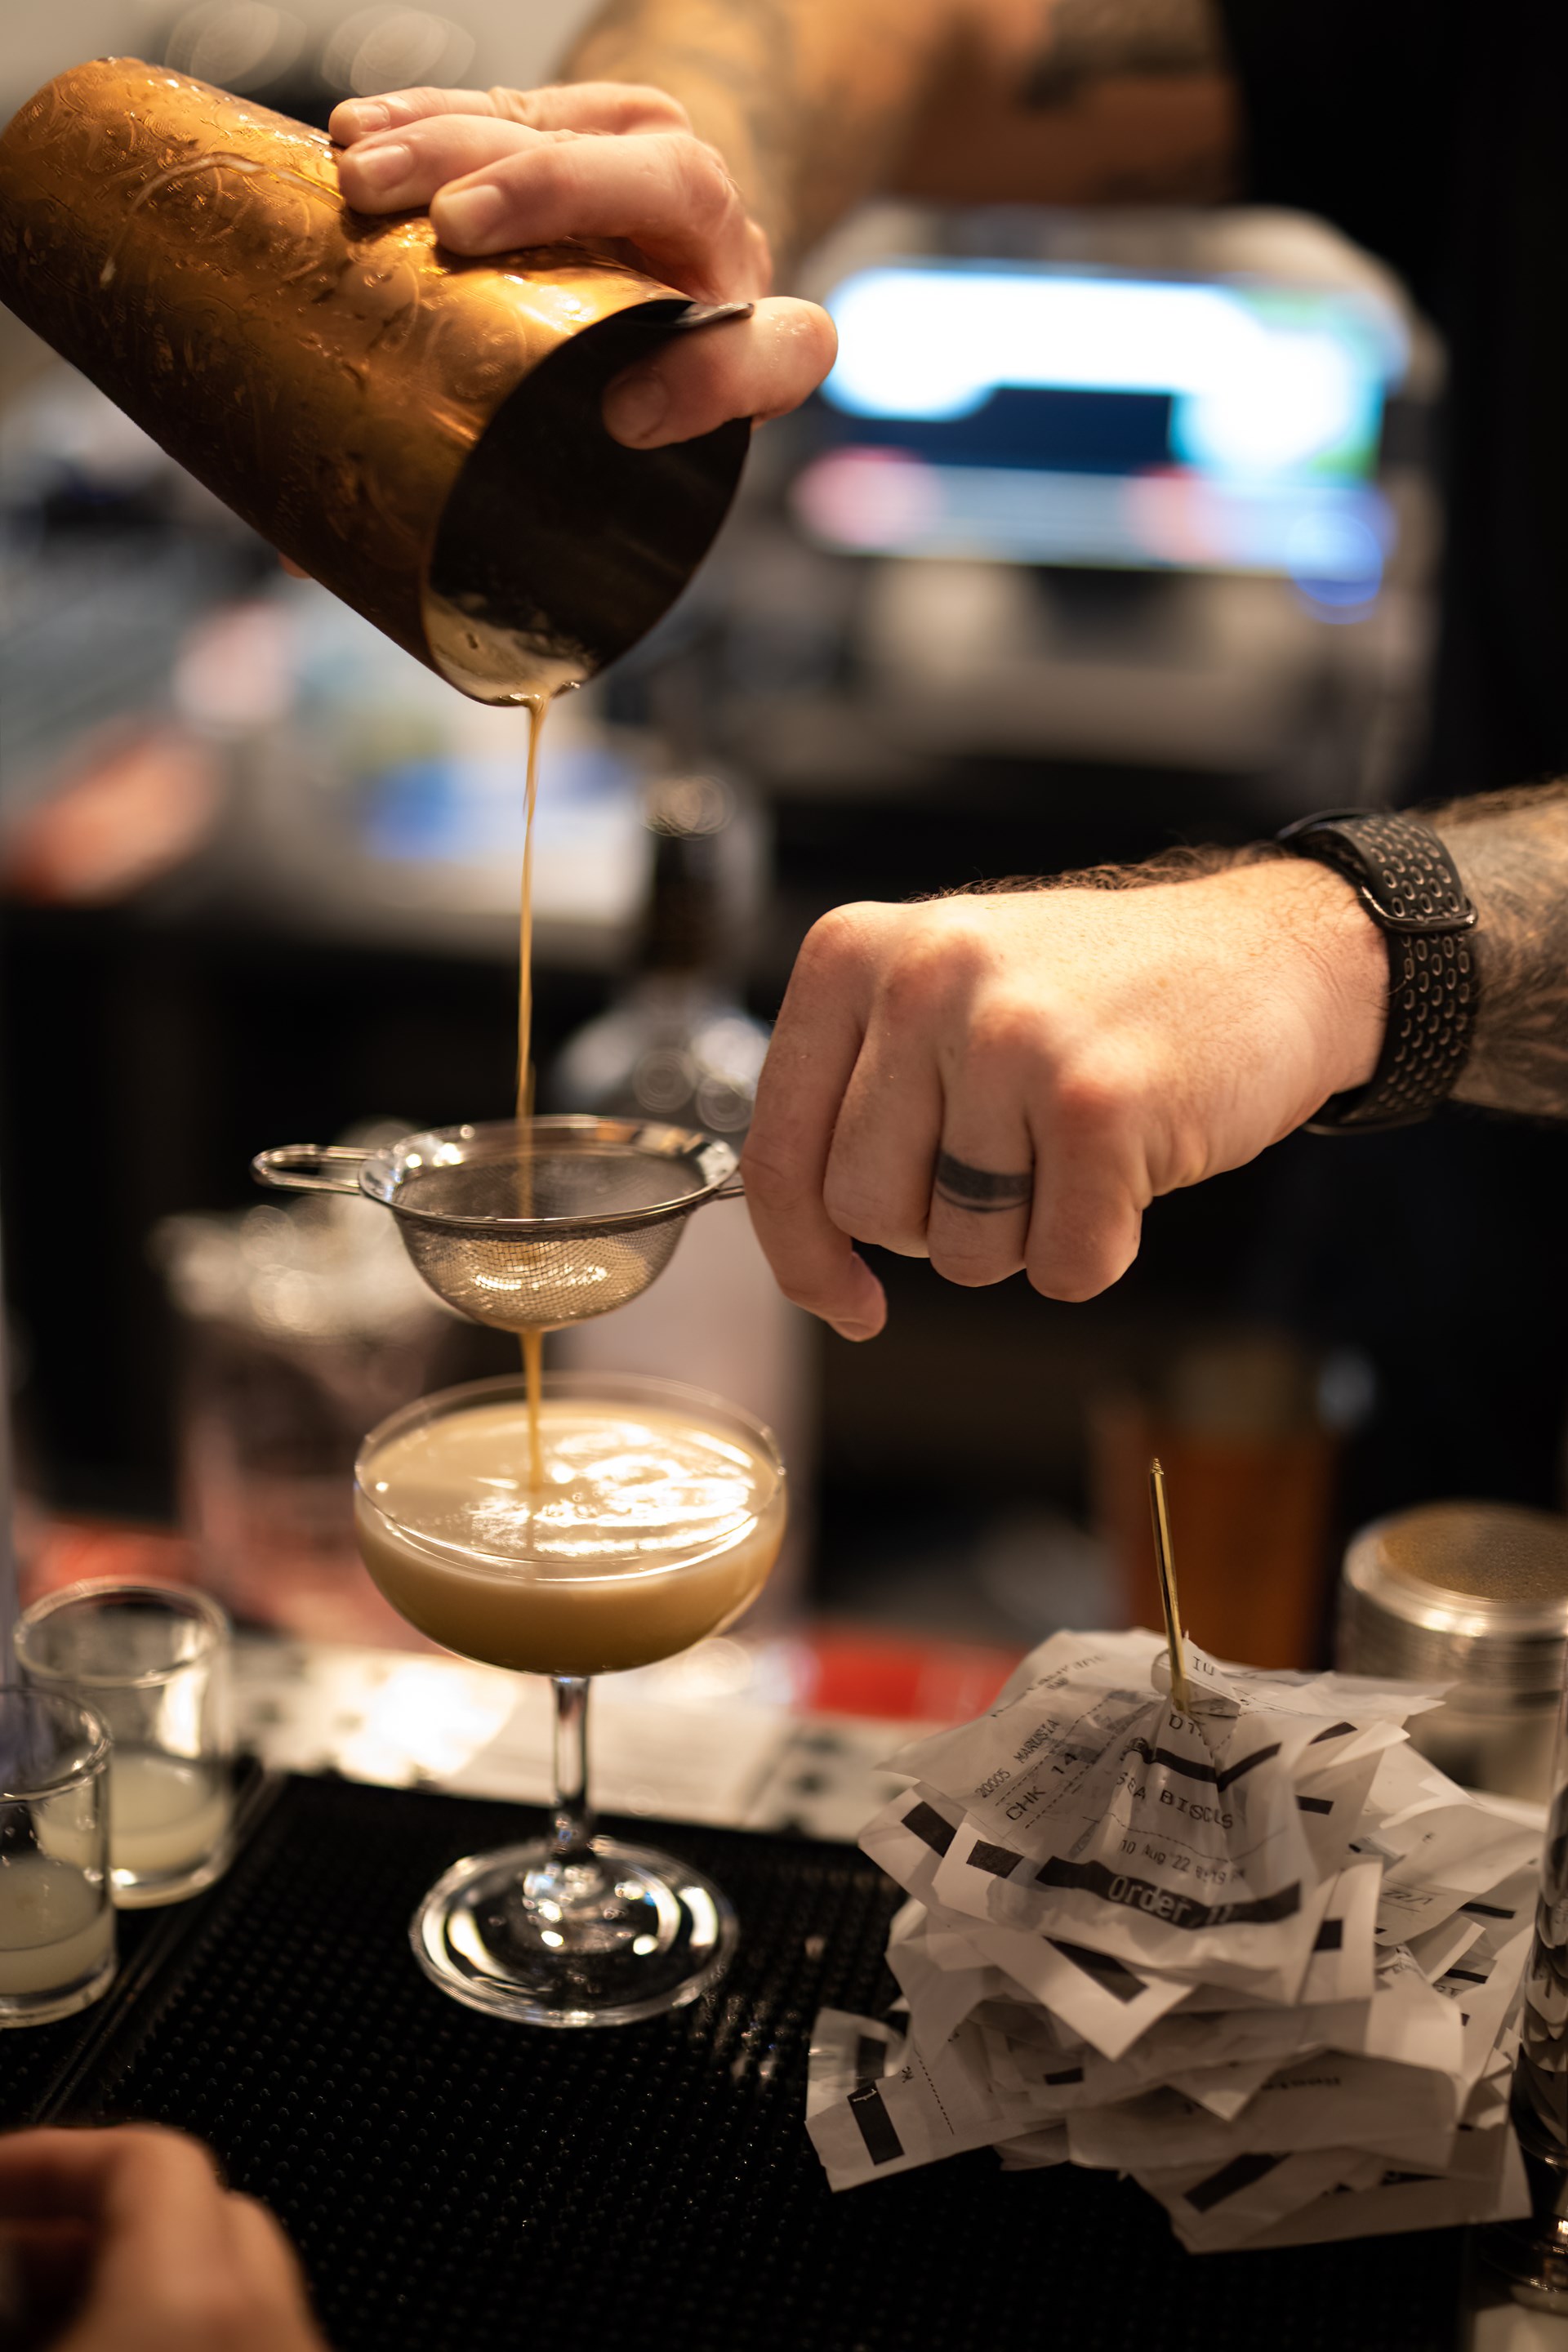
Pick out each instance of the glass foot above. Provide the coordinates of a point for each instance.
(616, 1935)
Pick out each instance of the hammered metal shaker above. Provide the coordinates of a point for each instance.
(420, 432)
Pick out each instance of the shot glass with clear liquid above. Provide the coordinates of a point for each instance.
(56, 1922)
(152, 1662)
(650, 1520)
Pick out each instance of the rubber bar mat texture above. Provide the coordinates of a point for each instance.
(455, 2183)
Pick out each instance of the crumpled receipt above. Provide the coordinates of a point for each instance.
(1264, 1958)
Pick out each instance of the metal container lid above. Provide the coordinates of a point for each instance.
(1474, 1590)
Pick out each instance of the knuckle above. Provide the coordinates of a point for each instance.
(970, 1268)
(1085, 1252)
(920, 975)
(430, 134)
(1012, 1028)
(1089, 1105)
(420, 105)
(451, 145)
(853, 1208)
(771, 1178)
(1072, 1276)
(951, 955)
(1068, 1288)
(836, 942)
(966, 926)
(704, 186)
(650, 105)
(868, 1209)
(545, 179)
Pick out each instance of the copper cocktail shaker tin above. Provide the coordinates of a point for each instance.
(419, 432)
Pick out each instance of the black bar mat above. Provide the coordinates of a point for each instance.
(455, 2183)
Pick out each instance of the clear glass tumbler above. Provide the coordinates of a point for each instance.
(56, 1924)
(153, 1660)
(639, 1516)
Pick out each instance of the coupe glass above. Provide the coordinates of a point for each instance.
(573, 1928)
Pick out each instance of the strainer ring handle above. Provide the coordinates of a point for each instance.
(289, 1167)
(734, 1190)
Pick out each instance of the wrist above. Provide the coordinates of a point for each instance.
(1333, 958)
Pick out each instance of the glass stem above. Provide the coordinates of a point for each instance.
(573, 1823)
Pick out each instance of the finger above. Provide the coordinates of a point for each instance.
(983, 1184)
(359, 118)
(1090, 1191)
(983, 1187)
(392, 170)
(759, 367)
(1090, 1239)
(175, 2248)
(61, 2174)
(667, 192)
(612, 106)
(809, 1062)
(877, 1180)
(44, 2269)
(265, 2259)
(260, 2243)
(501, 183)
(151, 2204)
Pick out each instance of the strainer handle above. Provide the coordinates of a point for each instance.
(734, 1190)
(290, 1167)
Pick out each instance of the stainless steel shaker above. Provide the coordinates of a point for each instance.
(1474, 1594)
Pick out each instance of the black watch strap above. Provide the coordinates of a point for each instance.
(1411, 887)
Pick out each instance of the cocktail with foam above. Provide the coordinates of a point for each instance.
(655, 1517)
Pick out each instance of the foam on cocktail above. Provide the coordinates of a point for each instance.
(650, 1529)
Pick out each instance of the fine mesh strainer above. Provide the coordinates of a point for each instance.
(527, 1224)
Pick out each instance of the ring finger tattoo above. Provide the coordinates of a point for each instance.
(983, 1191)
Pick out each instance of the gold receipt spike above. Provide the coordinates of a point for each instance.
(1164, 1560)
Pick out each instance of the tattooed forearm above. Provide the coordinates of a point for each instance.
(1081, 101)
(1511, 849)
(1090, 41)
(817, 104)
(806, 100)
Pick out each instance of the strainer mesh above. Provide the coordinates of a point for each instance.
(570, 1266)
(606, 1181)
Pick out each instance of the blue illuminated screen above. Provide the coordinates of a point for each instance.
(1034, 414)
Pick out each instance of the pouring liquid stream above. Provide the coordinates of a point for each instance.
(532, 1339)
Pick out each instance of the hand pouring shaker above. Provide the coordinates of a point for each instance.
(420, 432)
